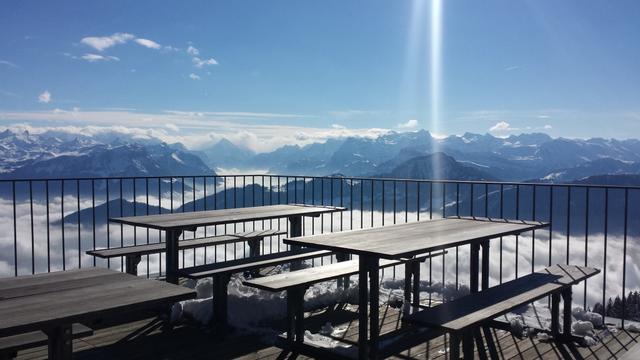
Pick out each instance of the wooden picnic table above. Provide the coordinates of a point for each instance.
(174, 224)
(52, 302)
(406, 240)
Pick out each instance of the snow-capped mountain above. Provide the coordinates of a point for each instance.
(517, 157)
(24, 155)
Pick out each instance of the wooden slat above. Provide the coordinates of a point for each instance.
(225, 216)
(632, 354)
(107, 295)
(248, 264)
(260, 233)
(32, 290)
(38, 338)
(311, 275)
(283, 281)
(404, 240)
(476, 308)
(155, 248)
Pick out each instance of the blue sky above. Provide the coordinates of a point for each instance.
(296, 71)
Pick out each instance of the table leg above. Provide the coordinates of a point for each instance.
(60, 342)
(363, 318)
(172, 255)
(416, 285)
(474, 267)
(555, 315)
(295, 230)
(485, 265)
(374, 304)
(220, 302)
(132, 262)
(566, 320)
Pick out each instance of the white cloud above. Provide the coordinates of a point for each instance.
(197, 129)
(338, 126)
(204, 62)
(45, 97)
(547, 127)
(511, 68)
(501, 128)
(104, 42)
(193, 51)
(410, 124)
(148, 43)
(172, 127)
(8, 63)
(97, 57)
(194, 76)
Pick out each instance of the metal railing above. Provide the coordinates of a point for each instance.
(49, 223)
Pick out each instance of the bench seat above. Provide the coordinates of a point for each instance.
(250, 263)
(465, 314)
(296, 283)
(306, 277)
(133, 253)
(10, 345)
(221, 273)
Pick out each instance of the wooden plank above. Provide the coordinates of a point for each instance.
(632, 354)
(37, 338)
(247, 264)
(283, 281)
(44, 289)
(311, 275)
(147, 249)
(261, 233)
(130, 293)
(56, 276)
(408, 239)
(224, 216)
(493, 302)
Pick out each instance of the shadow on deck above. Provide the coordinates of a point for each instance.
(145, 339)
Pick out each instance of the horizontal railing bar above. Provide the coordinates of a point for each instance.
(304, 177)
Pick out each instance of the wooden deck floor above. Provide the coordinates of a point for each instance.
(145, 339)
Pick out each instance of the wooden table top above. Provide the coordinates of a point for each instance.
(190, 220)
(34, 302)
(409, 239)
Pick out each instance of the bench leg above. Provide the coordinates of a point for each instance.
(220, 312)
(343, 282)
(254, 251)
(566, 320)
(479, 343)
(60, 342)
(555, 314)
(454, 346)
(131, 265)
(295, 315)
(467, 344)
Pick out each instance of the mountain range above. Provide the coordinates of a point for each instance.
(25, 155)
(525, 157)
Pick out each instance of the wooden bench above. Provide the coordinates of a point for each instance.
(295, 283)
(133, 254)
(10, 345)
(461, 318)
(221, 274)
